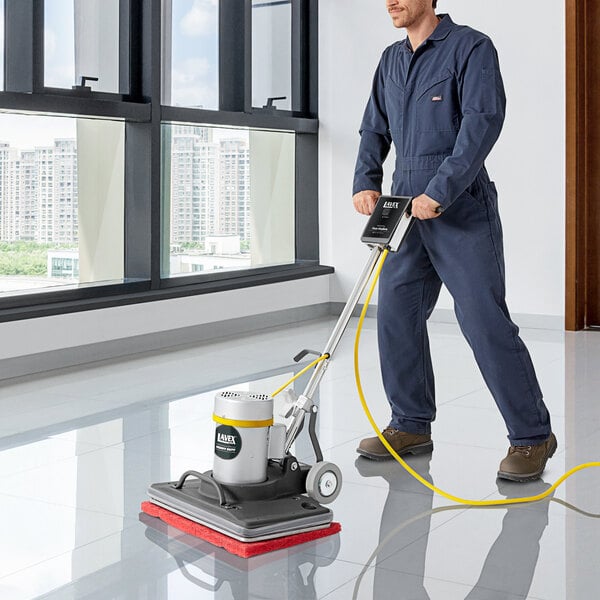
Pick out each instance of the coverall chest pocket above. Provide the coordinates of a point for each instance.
(437, 104)
(394, 102)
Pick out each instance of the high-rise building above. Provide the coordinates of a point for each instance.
(38, 193)
(210, 189)
(44, 175)
(26, 192)
(193, 178)
(233, 216)
(7, 209)
(65, 221)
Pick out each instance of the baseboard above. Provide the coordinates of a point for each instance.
(446, 315)
(523, 320)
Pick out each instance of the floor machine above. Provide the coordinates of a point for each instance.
(257, 490)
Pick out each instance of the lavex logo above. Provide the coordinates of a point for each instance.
(226, 439)
(390, 204)
(228, 442)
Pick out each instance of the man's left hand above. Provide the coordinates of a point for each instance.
(424, 207)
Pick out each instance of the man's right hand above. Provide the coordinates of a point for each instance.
(365, 201)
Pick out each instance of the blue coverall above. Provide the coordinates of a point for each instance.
(443, 107)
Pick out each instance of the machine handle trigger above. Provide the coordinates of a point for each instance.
(438, 209)
(305, 352)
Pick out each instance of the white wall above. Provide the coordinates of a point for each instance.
(21, 338)
(527, 162)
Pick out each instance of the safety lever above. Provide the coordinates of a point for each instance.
(304, 353)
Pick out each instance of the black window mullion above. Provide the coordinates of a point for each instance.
(38, 45)
(125, 49)
(307, 197)
(305, 75)
(155, 54)
(142, 149)
(23, 45)
(299, 56)
(311, 41)
(235, 55)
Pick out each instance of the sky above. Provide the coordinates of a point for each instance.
(194, 62)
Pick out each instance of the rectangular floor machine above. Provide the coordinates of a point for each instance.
(257, 490)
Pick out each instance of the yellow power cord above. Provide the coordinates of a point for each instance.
(399, 458)
(299, 374)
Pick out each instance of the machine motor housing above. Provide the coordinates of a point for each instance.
(244, 429)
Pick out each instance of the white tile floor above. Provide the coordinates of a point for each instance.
(78, 448)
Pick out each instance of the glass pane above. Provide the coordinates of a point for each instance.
(61, 202)
(272, 53)
(191, 53)
(228, 199)
(81, 39)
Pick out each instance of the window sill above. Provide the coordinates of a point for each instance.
(125, 293)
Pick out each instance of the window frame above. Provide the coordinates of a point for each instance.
(141, 110)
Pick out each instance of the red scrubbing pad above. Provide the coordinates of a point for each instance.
(243, 549)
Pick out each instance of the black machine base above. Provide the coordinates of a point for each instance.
(274, 508)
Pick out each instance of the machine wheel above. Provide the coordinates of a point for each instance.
(324, 482)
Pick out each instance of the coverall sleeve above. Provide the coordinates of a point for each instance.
(483, 104)
(375, 139)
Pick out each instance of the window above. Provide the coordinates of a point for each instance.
(191, 70)
(135, 167)
(231, 198)
(272, 54)
(90, 49)
(57, 177)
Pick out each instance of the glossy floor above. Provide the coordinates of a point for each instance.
(78, 448)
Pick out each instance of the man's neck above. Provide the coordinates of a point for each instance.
(420, 31)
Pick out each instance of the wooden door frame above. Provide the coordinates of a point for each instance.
(582, 159)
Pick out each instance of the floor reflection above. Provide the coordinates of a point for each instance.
(277, 575)
(400, 565)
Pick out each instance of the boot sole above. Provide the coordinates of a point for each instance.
(529, 476)
(425, 448)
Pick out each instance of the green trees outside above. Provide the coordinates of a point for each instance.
(26, 258)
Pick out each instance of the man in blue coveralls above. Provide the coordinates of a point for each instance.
(438, 96)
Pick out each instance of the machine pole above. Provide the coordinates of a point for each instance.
(304, 404)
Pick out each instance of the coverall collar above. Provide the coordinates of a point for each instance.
(441, 32)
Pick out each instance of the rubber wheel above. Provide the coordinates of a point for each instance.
(324, 482)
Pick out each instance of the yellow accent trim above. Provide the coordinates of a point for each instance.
(239, 423)
(416, 475)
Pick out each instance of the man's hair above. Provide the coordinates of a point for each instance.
(434, 3)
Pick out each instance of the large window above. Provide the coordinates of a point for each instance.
(150, 153)
(230, 198)
(61, 185)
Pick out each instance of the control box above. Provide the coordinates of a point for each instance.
(389, 223)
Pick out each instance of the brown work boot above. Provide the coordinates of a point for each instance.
(400, 441)
(526, 463)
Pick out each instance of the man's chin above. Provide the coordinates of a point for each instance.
(399, 22)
